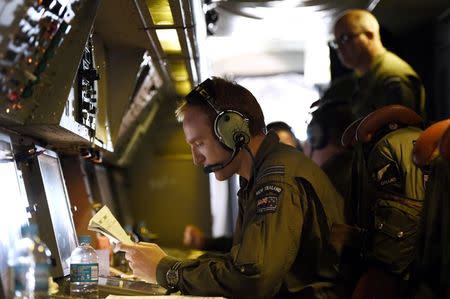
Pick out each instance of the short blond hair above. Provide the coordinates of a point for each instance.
(181, 108)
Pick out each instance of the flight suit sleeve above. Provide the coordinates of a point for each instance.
(258, 262)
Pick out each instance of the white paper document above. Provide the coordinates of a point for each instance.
(105, 223)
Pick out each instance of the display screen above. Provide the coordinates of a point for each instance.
(105, 189)
(59, 207)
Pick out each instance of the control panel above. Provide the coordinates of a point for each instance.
(87, 89)
(30, 34)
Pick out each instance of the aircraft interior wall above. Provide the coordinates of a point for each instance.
(167, 190)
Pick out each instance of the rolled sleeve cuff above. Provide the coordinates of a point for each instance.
(163, 266)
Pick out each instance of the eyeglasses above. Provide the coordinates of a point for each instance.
(343, 39)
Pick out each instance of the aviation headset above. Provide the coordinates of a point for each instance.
(230, 126)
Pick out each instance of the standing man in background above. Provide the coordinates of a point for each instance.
(287, 206)
(383, 77)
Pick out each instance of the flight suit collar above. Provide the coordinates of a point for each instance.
(267, 146)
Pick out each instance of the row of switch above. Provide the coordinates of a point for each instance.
(38, 27)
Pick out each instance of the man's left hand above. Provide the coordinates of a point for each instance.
(143, 259)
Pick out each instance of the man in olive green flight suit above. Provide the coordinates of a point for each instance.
(193, 237)
(287, 206)
(382, 77)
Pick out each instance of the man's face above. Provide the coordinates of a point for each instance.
(351, 44)
(205, 148)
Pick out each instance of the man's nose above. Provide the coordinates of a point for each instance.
(197, 158)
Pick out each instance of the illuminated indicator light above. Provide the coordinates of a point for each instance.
(30, 60)
(13, 96)
(169, 40)
(8, 110)
(160, 12)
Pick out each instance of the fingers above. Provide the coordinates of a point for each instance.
(147, 244)
(123, 247)
(128, 256)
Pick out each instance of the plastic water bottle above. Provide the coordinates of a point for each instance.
(29, 266)
(84, 270)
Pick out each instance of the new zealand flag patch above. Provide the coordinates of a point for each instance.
(267, 198)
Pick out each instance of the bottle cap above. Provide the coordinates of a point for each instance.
(86, 239)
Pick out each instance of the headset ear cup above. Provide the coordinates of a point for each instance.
(232, 129)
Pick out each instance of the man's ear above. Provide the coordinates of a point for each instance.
(370, 35)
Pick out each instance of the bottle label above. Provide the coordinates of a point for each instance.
(84, 272)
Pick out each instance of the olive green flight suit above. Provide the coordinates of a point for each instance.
(390, 80)
(280, 246)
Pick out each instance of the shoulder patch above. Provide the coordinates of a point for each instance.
(267, 197)
(388, 175)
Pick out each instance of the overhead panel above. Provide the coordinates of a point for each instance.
(170, 43)
(160, 12)
(169, 25)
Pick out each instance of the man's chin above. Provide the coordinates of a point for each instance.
(220, 176)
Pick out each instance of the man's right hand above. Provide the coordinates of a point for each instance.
(193, 237)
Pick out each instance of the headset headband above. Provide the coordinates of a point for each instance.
(205, 92)
(230, 126)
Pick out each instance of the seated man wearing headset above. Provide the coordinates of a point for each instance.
(194, 237)
(287, 206)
